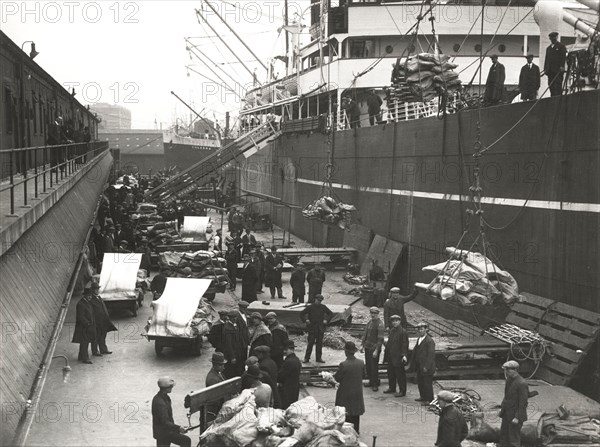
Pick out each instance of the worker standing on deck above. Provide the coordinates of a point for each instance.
(316, 316)
(396, 355)
(513, 409)
(423, 361)
(280, 337)
(273, 267)
(394, 305)
(494, 86)
(374, 103)
(315, 279)
(452, 428)
(297, 280)
(103, 323)
(164, 429)
(289, 376)
(554, 64)
(529, 80)
(372, 341)
(350, 394)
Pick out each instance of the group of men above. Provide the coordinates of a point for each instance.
(529, 77)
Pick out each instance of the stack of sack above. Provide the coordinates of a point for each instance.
(470, 278)
(163, 233)
(421, 77)
(329, 211)
(304, 423)
(200, 264)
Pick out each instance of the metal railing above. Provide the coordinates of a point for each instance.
(43, 167)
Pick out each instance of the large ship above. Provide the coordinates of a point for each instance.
(184, 148)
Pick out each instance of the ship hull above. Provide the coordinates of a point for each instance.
(410, 183)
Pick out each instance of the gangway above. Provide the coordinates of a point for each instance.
(192, 178)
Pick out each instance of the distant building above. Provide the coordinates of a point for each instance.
(136, 150)
(114, 117)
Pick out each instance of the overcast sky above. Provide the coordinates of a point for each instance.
(133, 53)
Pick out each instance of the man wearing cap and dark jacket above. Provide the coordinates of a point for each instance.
(297, 280)
(233, 348)
(396, 355)
(249, 281)
(164, 428)
(423, 361)
(289, 376)
(452, 428)
(215, 376)
(494, 86)
(529, 80)
(372, 342)
(85, 327)
(554, 64)
(280, 337)
(350, 392)
(394, 305)
(513, 409)
(316, 316)
(315, 279)
(273, 267)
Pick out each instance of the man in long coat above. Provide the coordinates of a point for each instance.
(103, 323)
(452, 428)
(273, 267)
(529, 80)
(249, 281)
(494, 86)
(85, 327)
(513, 409)
(350, 392)
(289, 376)
(423, 360)
(315, 279)
(233, 349)
(316, 316)
(297, 280)
(396, 354)
(554, 64)
(280, 337)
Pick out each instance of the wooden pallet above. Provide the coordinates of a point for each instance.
(571, 330)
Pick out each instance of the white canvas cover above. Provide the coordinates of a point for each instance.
(194, 228)
(175, 309)
(119, 275)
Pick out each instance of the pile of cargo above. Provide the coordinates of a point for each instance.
(163, 233)
(421, 78)
(304, 423)
(200, 264)
(330, 211)
(470, 278)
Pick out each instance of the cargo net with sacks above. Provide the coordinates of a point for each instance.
(470, 278)
(330, 211)
(422, 78)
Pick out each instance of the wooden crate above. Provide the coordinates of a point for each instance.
(572, 332)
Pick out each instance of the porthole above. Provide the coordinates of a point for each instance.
(389, 49)
(456, 47)
(502, 48)
(478, 48)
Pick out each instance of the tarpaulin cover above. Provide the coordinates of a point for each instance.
(175, 309)
(194, 228)
(119, 276)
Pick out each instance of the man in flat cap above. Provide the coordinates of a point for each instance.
(315, 279)
(297, 280)
(273, 268)
(529, 80)
(260, 335)
(394, 305)
(423, 360)
(452, 428)
(554, 64)
(396, 355)
(494, 86)
(372, 342)
(513, 409)
(280, 337)
(316, 316)
(289, 376)
(350, 392)
(215, 376)
(164, 429)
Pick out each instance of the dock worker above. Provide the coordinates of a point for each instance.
(513, 409)
(315, 279)
(394, 305)
(218, 240)
(350, 394)
(248, 242)
(262, 392)
(396, 355)
(164, 429)
(103, 323)
(423, 361)
(233, 347)
(316, 316)
(215, 335)
(289, 376)
(494, 86)
(260, 335)
(529, 80)
(231, 257)
(554, 64)
(273, 268)
(297, 280)
(249, 280)
(374, 103)
(452, 428)
(247, 381)
(215, 376)
(280, 337)
(372, 342)
(159, 282)
(85, 326)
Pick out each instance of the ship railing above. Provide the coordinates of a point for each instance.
(404, 111)
(42, 168)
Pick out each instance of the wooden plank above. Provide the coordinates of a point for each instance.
(551, 377)
(567, 353)
(571, 324)
(385, 251)
(196, 399)
(582, 314)
(555, 335)
(559, 366)
(521, 322)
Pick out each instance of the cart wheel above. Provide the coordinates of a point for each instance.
(197, 346)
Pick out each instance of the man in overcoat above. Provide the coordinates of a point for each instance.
(554, 64)
(280, 337)
(164, 428)
(315, 279)
(513, 409)
(273, 267)
(260, 335)
(350, 392)
(372, 343)
(85, 327)
(452, 428)
(316, 316)
(529, 80)
(423, 361)
(249, 281)
(297, 280)
(103, 323)
(494, 86)
(289, 376)
(233, 348)
(396, 354)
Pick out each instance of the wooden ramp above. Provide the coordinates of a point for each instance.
(571, 330)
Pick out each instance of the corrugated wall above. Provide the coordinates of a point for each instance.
(35, 274)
